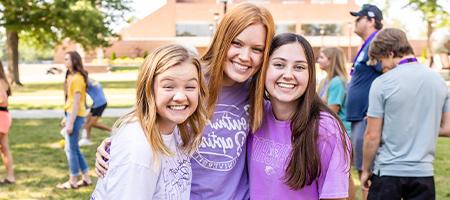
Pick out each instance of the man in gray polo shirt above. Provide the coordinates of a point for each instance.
(406, 105)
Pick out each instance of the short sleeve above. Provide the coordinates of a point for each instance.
(335, 162)
(376, 99)
(336, 92)
(77, 84)
(447, 103)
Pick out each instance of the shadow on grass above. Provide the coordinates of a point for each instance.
(40, 163)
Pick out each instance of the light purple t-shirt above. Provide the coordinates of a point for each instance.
(268, 155)
(218, 167)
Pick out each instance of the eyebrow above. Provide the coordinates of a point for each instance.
(169, 78)
(258, 45)
(297, 61)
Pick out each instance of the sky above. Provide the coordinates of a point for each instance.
(411, 19)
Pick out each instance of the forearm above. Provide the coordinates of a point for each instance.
(371, 145)
(444, 129)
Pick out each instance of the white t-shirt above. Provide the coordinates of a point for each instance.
(132, 173)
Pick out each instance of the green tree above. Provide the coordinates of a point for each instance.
(434, 15)
(46, 23)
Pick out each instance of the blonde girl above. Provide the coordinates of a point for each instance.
(151, 145)
(333, 88)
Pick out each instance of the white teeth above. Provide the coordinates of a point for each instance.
(241, 67)
(286, 85)
(178, 107)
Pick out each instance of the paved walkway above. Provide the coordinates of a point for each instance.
(46, 114)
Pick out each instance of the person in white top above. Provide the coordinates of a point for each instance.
(149, 155)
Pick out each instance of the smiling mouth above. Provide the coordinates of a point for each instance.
(286, 85)
(240, 67)
(178, 107)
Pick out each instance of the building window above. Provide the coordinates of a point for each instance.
(284, 28)
(192, 30)
(319, 29)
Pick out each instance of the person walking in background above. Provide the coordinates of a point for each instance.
(406, 107)
(151, 145)
(75, 109)
(367, 24)
(5, 124)
(95, 91)
(300, 149)
(333, 88)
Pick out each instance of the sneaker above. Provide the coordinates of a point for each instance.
(84, 142)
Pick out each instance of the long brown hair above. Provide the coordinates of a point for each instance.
(232, 24)
(145, 110)
(304, 161)
(77, 65)
(3, 77)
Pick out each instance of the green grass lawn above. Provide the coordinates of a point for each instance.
(120, 94)
(40, 163)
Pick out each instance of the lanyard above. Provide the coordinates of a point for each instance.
(407, 60)
(361, 49)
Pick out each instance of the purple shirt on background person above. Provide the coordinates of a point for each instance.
(218, 167)
(268, 155)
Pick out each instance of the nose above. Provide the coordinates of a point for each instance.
(244, 54)
(288, 73)
(179, 96)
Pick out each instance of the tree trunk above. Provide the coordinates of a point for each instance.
(12, 53)
(429, 50)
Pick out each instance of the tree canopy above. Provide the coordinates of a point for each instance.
(49, 22)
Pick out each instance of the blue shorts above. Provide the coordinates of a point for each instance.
(357, 136)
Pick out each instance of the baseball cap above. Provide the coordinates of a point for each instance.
(370, 11)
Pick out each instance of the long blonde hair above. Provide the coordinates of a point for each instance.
(336, 68)
(232, 24)
(145, 110)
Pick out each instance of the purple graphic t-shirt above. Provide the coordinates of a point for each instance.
(218, 167)
(268, 155)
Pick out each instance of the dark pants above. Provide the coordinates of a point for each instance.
(396, 188)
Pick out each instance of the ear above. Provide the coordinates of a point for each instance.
(371, 21)
(391, 55)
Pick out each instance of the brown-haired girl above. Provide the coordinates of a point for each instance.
(74, 108)
(301, 150)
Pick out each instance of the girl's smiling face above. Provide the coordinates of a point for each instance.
(245, 55)
(287, 74)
